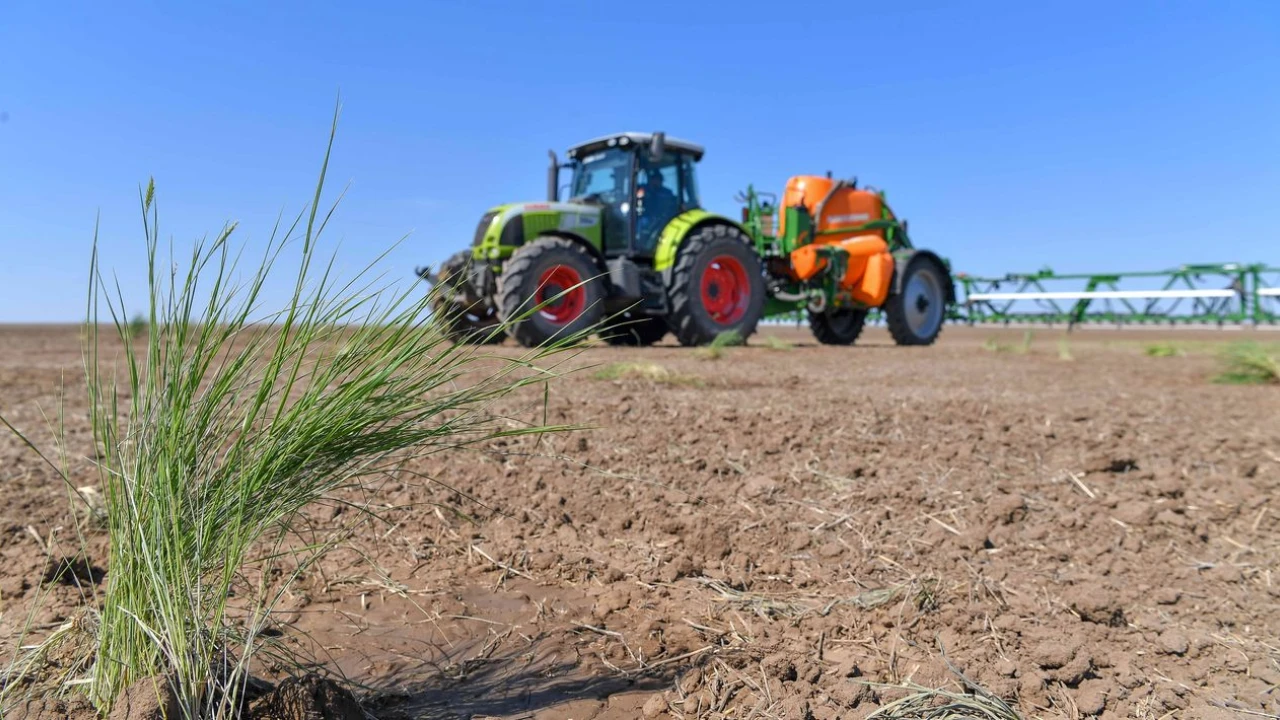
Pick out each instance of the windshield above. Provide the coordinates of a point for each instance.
(605, 175)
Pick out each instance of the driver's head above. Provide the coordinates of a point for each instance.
(655, 178)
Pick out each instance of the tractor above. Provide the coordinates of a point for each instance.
(632, 255)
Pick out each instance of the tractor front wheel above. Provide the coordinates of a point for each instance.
(837, 327)
(716, 286)
(550, 290)
(916, 312)
(463, 322)
(476, 326)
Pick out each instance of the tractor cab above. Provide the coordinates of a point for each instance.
(641, 182)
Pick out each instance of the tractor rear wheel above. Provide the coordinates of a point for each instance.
(837, 327)
(549, 290)
(635, 330)
(716, 286)
(916, 312)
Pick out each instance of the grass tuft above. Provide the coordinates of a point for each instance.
(1164, 350)
(230, 422)
(1064, 351)
(994, 345)
(773, 342)
(728, 338)
(1249, 364)
(716, 348)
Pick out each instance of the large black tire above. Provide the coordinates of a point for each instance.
(734, 299)
(635, 330)
(916, 312)
(463, 322)
(565, 266)
(477, 326)
(838, 327)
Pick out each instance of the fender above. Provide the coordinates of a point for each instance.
(906, 256)
(678, 229)
(577, 239)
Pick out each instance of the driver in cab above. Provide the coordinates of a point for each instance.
(659, 204)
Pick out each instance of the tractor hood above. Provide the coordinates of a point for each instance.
(575, 205)
(506, 227)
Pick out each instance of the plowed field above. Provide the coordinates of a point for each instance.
(1082, 529)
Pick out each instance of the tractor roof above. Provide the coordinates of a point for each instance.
(627, 139)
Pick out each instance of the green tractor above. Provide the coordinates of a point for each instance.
(632, 255)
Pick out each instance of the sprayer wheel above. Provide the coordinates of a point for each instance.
(916, 312)
(716, 286)
(837, 327)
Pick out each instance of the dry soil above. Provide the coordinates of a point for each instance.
(1075, 526)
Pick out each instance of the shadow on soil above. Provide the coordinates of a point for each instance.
(511, 686)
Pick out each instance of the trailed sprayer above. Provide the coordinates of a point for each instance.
(632, 254)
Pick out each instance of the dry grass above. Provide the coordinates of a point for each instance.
(643, 371)
(933, 704)
(794, 606)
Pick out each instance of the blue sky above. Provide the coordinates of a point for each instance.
(1013, 135)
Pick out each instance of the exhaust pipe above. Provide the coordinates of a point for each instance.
(553, 178)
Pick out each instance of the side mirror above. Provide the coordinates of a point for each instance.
(657, 145)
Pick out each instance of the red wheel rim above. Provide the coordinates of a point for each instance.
(726, 290)
(560, 288)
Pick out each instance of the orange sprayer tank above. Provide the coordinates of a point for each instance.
(846, 207)
(869, 270)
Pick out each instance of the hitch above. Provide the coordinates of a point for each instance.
(426, 275)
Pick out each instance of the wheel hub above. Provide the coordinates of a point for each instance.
(726, 290)
(560, 289)
(924, 310)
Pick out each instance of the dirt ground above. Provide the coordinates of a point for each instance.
(1077, 527)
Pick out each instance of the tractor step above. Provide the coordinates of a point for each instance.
(632, 283)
